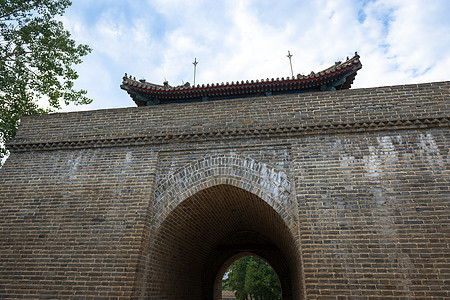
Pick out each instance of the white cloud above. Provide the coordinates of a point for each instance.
(417, 39)
(399, 41)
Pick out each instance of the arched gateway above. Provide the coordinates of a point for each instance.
(213, 211)
(344, 192)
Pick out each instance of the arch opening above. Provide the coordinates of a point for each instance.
(252, 277)
(205, 233)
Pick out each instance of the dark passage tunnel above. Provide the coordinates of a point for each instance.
(205, 233)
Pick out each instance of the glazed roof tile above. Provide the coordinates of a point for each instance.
(339, 76)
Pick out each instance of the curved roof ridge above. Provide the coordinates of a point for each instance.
(338, 76)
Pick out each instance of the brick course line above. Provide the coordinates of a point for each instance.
(294, 131)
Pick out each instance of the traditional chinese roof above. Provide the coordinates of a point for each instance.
(337, 77)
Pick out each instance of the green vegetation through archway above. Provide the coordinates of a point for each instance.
(252, 278)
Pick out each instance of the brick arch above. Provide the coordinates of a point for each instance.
(271, 185)
(261, 197)
(189, 248)
(283, 265)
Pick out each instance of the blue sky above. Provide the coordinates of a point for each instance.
(399, 41)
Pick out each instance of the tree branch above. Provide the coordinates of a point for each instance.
(7, 55)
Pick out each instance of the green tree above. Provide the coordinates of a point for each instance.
(261, 280)
(252, 278)
(236, 277)
(36, 62)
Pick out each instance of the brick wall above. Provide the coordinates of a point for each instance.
(246, 117)
(374, 214)
(71, 221)
(345, 193)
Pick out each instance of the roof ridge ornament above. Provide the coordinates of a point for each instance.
(290, 62)
(195, 67)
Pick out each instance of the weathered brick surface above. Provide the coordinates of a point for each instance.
(71, 221)
(374, 213)
(345, 193)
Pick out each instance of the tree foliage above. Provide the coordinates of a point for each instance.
(36, 62)
(252, 278)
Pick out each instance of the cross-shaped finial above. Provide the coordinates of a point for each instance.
(290, 62)
(195, 68)
(289, 55)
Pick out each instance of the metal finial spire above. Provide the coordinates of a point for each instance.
(195, 68)
(290, 61)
